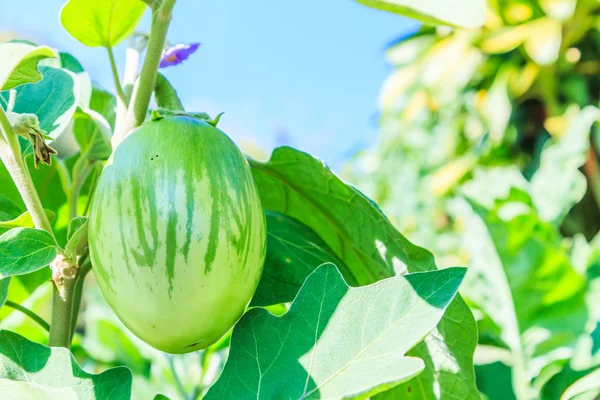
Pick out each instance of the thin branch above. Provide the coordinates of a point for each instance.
(115, 73)
(29, 313)
(142, 92)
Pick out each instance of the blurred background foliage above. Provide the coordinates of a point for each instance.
(488, 156)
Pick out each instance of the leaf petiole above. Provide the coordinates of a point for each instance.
(29, 313)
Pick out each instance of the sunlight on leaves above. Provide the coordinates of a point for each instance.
(51, 373)
(53, 100)
(336, 341)
(101, 22)
(462, 13)
(294, 251)
(25, 250)
(20, 63)
(302, 187)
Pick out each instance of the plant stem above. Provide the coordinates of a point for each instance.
(80, 174)
(132, 66)
(85, 268)
(10, 153)
(97, 171)
(62, 310)
(29, 313)
(115, 73)
(142, 91)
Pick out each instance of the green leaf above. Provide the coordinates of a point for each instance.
(53, 100)
(336, 341)
(77, 237)
(101, 22)
(587, 384)
(4, 282)
(67, 61)
(8, 209)
(92, 133)
(302, 187)
(494, 380)
(522, 278)
(24, 220)
(20, 62)
(462, 13)
(294, 251)
(74, 226)
(52, 373)
(25, 250)
(84, 83)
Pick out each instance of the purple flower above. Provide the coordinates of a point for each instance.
(176, 54)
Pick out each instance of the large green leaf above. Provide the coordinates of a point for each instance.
(53, 100)
(30, 370)
(463, 13)
(19, 63)
(336, 341)
(101, 22)
(25, 250)
(300, 186)
(521, 276)
(294, 251)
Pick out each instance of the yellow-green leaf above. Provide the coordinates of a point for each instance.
(24, 220)
(19, 63)
(460, 13)
(101, 22)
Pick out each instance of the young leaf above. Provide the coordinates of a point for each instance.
(24, 220)
(302, 187)
(587, 384)
(336, 341)
(53, 100)
(77, 237)
(4, 282)
(294, 251)
(19, 63)
(32, 370)
(25, 250)
(166, 95)
(74, 226)
(461, 13)
(101, 22)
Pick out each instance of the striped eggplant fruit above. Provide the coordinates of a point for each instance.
(177, 233)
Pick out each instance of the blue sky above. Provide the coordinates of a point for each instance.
(304, 73)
